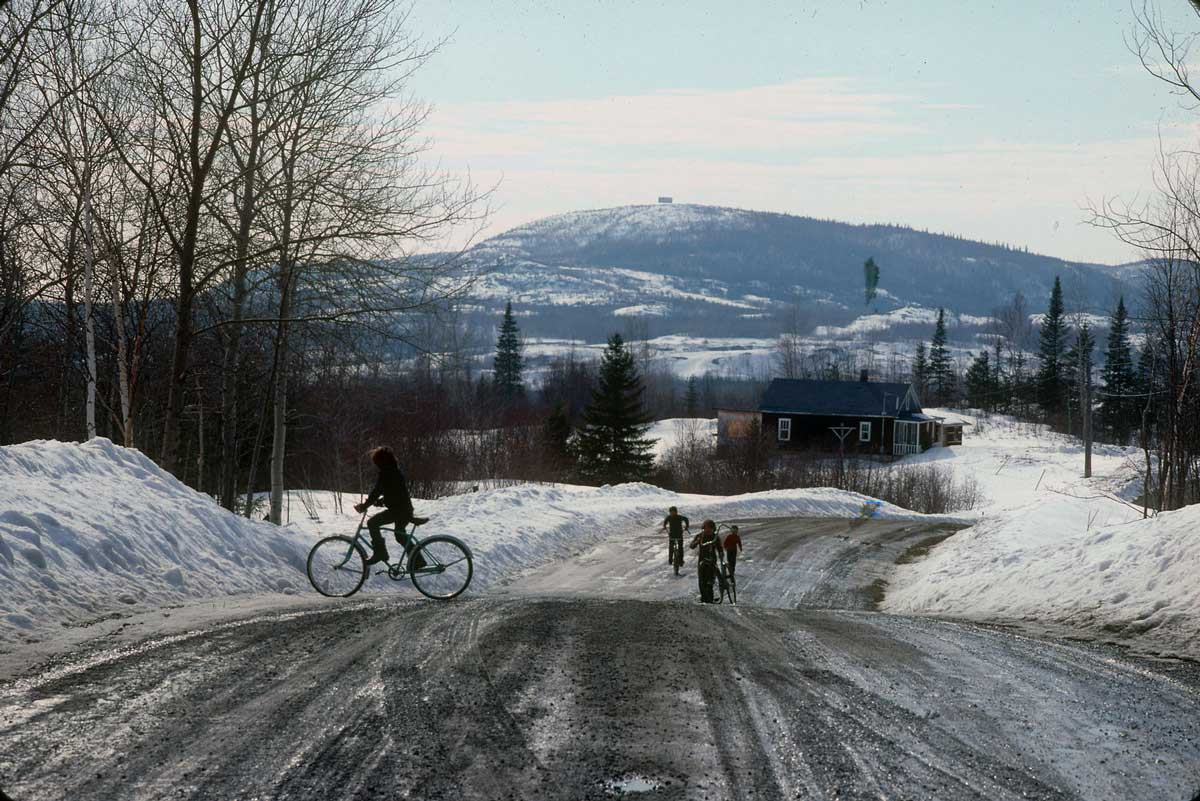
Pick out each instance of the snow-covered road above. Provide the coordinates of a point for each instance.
(528, 692)
(786, 563)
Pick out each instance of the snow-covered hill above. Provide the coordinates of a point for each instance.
(689, 258)
(720, 276)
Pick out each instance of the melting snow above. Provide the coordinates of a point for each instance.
(1057, 548)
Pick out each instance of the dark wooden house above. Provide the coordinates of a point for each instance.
(867, 418)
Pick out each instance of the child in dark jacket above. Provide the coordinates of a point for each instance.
(391, 491)
(707, 543)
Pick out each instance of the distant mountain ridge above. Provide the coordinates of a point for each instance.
(710, 269)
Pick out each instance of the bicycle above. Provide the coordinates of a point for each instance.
(675, 552)
(337, 565)
(726, 583)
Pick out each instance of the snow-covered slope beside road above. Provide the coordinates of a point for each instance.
(92, 528)
(1054, 548)
(1132, 582)
(89, 530)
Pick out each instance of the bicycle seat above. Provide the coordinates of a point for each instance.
(420, 521)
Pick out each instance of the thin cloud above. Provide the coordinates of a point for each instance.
(821, 147)
(820, 112)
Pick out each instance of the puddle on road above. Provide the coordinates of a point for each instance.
(630, 785)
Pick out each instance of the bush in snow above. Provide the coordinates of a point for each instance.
(693, 466)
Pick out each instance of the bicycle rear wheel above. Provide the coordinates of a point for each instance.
(447, 570)
(724, 589)
(337, 567)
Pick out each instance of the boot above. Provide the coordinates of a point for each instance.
(379, 550)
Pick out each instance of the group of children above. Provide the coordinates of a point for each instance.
(391, 491)
(706, 544)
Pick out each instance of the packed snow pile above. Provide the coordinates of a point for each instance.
(92, 528)
(1055, 548)
(1133, 581)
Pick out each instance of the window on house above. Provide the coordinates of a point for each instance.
(864, 432)
(785, 429)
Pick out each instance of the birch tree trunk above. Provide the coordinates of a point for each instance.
(279, 426)
(122, 363)
(89, 322)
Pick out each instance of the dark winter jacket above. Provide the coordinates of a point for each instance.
(707, 542)
(676, 523)
(391, 490)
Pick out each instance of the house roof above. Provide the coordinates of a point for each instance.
(863, 398)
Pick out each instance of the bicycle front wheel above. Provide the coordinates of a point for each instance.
(337, 567)
(447, 567)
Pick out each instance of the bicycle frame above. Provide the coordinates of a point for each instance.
(363, 538)
(725, 581)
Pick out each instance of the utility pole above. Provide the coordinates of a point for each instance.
(1087, 425)
(1085, 396)
(841, 432)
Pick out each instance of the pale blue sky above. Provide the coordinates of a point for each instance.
(996, 121)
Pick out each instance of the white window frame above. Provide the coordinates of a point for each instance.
(785, 429)
(864, 427)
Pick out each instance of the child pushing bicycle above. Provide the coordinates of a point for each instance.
(706, 542)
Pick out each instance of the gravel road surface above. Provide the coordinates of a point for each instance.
(544, 690)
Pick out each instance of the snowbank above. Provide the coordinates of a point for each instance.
(1132, 582)
(1055, 548)
(88, 529)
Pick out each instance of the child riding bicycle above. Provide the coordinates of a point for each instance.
(391, 491)
(675, 524)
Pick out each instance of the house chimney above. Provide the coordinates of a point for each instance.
(862, 375)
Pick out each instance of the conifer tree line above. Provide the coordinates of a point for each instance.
(1133, 388)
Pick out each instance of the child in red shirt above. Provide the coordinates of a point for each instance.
(732, 546)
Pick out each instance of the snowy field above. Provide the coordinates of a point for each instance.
(1056, 549)
(88, 531)
(668, 433)
(905, 315)
(737, 357)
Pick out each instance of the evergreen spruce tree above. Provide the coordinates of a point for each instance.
(1117, 409)
(1000, 398)
(941, 370)
(1051, 383)
(920, 372)
(612, 446)
(556, 436)
(870, 279)
(980, 386)
(691, 399)
(507, 367)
